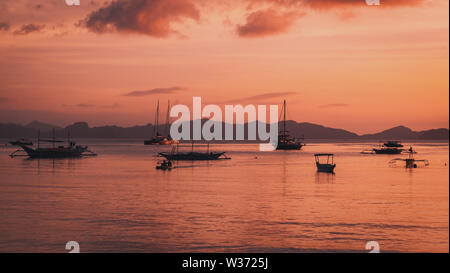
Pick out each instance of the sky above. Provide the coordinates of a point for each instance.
(338, 63)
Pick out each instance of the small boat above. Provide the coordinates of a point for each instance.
(393, 144)
(21, 141)
(410, 162)
(325, 167)
(285, 141)
(164, 165)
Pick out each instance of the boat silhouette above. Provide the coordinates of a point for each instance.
(192, 155)
(60, 151)
(285, 141)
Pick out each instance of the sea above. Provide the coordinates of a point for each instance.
(256, 201)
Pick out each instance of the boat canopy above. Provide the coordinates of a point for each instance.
(323, 154)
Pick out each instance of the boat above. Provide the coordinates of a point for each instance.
(387, 151)
(61, 151)
(325, 167)
(393, 144)
(192, 156)
(159, 139)
(164, 165)
(285, 141)
(410, 162)
(21, 141)
(157, 136)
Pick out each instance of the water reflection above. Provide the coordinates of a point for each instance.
(324, 178)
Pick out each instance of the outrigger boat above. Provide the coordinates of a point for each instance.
(192, 156)
(410, 162)
(71, 150)
(325, 167)
(285, 141)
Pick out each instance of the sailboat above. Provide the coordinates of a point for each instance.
(157, 136)
(159, 139)
(168, 139)
(285, 141)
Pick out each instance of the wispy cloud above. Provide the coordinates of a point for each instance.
(263, 97)
(169, 90)
(334, 105)
(88, 105)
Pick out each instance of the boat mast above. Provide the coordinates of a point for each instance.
(39, 137)
(284, 123)
(53, 142)
(156, 120)
(166, 133)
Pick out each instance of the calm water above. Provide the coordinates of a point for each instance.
(257, 202)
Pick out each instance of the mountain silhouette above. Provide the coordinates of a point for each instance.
(303, 129)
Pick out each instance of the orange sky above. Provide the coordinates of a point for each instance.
(339, 63)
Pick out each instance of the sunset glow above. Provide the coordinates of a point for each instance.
(341, 64)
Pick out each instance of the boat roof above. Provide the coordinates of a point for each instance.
(323, 154)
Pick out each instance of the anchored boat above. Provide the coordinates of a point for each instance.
(327, 167)
(159, 139)
(285, 141)
(192, 156)
(410, 162)
(388, 151)
(60, 151)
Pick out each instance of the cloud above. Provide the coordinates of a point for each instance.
(114, 105)
(267, 22)
(154, 91)
(264, 96)
(149, 17)
(328, 4)
(4, 26)
(29, 28)
(334, 105)
(282, 14)
(88, 105)
(85, 105)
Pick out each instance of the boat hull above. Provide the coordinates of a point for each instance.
(54, 153)
(289, 146)
(392, 151)
(325, 168)
(192, 156)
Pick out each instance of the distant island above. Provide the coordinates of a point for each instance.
(302, 129)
